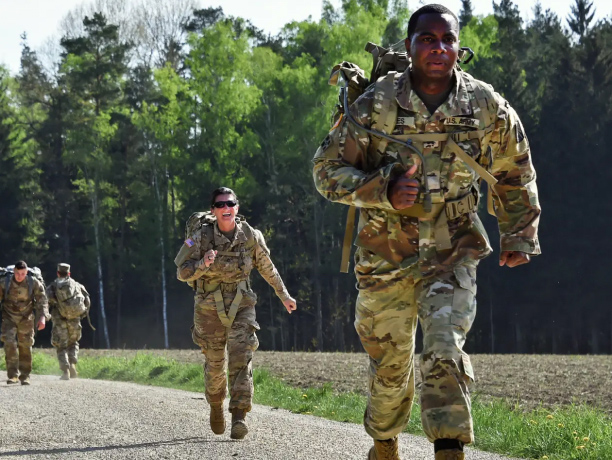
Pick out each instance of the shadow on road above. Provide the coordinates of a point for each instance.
(66, 450)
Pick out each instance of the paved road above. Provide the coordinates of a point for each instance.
(93, 419)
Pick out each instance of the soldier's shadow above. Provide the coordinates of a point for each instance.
(68, 450)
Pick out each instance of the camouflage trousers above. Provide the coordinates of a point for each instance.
(386, 321)
(65, 338)
(18, 337)
(237, 343)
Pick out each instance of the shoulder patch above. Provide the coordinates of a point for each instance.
(189, 242)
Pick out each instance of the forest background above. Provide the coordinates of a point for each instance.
(105, 152)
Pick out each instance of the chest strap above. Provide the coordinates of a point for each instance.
(442, 213)
(229, 253)
(227, 319)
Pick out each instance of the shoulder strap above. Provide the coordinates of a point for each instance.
(384, 112)
(348, 239)
(7, 283)
(248, 231)
(208, 235)
(482, 98)
(483, 95)
(30, 285)
(384, 117)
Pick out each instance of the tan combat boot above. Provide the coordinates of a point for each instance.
(450, 454)
(385, 450)
(65, 375)
(12, 381)
(73, 372)
(217, 418)
(239, 426)
(25, 380)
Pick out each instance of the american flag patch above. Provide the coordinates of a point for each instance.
(189, 242)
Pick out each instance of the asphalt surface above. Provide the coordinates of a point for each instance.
(94, 419)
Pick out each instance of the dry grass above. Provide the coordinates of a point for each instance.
(528, 380)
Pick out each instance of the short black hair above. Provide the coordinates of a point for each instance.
(222, 191)
(433, 8)
(20, 265)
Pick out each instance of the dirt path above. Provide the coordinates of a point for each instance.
(95, 419)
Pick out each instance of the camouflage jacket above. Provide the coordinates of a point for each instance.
(53, 302)
(17, 303)
(229, 269)
(348, 170)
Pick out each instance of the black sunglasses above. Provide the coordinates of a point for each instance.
(221, 204)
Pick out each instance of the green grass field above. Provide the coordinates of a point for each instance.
(572, 432)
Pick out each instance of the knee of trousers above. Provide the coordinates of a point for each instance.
(26, 342)
(446, 360)
(215, 359)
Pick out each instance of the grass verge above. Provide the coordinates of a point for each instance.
(568, 433)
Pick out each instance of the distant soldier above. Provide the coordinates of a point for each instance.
(69, 302)
(24, 303)
(217, 258)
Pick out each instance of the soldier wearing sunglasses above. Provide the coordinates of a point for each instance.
(219, 258)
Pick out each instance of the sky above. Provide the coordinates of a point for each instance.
(40, 18)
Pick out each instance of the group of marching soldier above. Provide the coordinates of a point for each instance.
(27, 306)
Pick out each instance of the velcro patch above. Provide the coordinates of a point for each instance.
(462, 121)
(404, 121)
(189, 242)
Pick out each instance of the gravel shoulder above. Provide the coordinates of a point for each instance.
(96, 419)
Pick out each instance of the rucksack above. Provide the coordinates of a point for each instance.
(197, 220)
(70, 298)
(6, 275)
(388, 65)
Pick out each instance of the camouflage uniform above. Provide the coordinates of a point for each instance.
(227, 278)
(20, 314)
(403, 273)
(66, 333)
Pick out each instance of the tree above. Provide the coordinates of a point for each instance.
(92, 71)
(466, 14)
(165, 128)
(582, 14)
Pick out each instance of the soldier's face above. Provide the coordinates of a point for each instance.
(225, 215)
(20, 274)
(434, 46)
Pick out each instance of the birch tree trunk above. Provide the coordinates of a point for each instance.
(96, 217)
(162, 245)
(316, 276)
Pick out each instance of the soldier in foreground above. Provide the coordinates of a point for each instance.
(416, 254)
(69, 302)
(218, 258)
(24, 305)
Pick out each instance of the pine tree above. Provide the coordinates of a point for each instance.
(466, 14)
(582, 14)
(92, 71)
